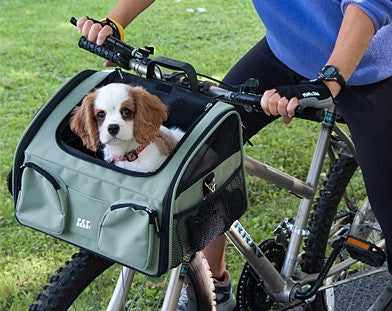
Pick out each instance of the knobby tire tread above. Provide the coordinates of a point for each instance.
(205, 284)
(322, 218)
(70, 281)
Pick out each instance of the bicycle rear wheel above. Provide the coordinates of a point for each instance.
(87, 283)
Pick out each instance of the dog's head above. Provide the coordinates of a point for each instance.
(116, 114)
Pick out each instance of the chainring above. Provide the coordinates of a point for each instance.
(250, 291)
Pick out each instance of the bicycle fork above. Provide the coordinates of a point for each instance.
(281, 285)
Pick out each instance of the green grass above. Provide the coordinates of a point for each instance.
(38, 52)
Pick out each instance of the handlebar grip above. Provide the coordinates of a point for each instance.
(312, 114)
(73, 21)
(105, 52)
(306, 113)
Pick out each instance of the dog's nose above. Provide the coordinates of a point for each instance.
(113, 129)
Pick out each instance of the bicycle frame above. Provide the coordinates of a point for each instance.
(281, 285)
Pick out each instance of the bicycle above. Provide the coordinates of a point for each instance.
(281, 272)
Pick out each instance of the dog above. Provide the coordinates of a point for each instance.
(126, 122)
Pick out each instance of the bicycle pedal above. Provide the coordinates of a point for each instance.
(365, 251)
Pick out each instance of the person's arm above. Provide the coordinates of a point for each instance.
(354, 38)
(355, 35)
(124, 12)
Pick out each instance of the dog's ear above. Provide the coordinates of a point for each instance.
(83, 123)
(150, 113)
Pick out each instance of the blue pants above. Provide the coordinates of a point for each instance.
(366, 109)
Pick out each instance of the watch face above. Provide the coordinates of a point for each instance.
(329, 71)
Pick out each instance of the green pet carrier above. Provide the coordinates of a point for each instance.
(150, 222)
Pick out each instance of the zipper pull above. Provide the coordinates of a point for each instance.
(154, 220)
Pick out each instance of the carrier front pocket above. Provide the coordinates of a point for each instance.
(42, 200)
(128, 233)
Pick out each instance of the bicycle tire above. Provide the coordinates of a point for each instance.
(322, 219)
(325, 211)
(70, 281)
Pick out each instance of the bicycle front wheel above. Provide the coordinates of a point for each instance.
(343, 208)
(87, 282)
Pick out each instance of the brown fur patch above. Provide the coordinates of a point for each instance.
(84, 123)
(166, 143)
(150, 112)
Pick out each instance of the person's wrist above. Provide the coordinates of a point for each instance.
(330, 75)
(118, 30)
(333, 86)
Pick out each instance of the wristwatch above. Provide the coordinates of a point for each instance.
(331, 73)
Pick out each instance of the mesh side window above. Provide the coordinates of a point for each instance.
(194, 230)
(224, 142)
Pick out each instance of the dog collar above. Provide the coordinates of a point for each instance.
(129, 156)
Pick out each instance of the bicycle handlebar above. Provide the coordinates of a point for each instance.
(130, 58)
(105, 52)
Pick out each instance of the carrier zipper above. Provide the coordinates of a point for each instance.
(44, 173)
(152, 214)
(154, 220)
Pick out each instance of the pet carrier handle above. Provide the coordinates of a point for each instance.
(173, 64)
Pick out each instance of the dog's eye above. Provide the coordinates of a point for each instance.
(126, 113)
(101, 115)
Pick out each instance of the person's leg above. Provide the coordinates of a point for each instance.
(259, 63)
(367, 111)
(215, 255)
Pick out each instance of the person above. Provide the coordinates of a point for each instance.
(338, 48)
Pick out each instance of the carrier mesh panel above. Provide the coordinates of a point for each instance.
(200, 225)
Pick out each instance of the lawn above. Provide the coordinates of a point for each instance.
(38, 53)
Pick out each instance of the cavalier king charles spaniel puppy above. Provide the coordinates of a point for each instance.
(127, 123)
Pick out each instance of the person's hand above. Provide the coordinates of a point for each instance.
(275, 104)
(283, 100)
(96, 33)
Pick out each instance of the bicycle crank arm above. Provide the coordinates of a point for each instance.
(310, 292)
